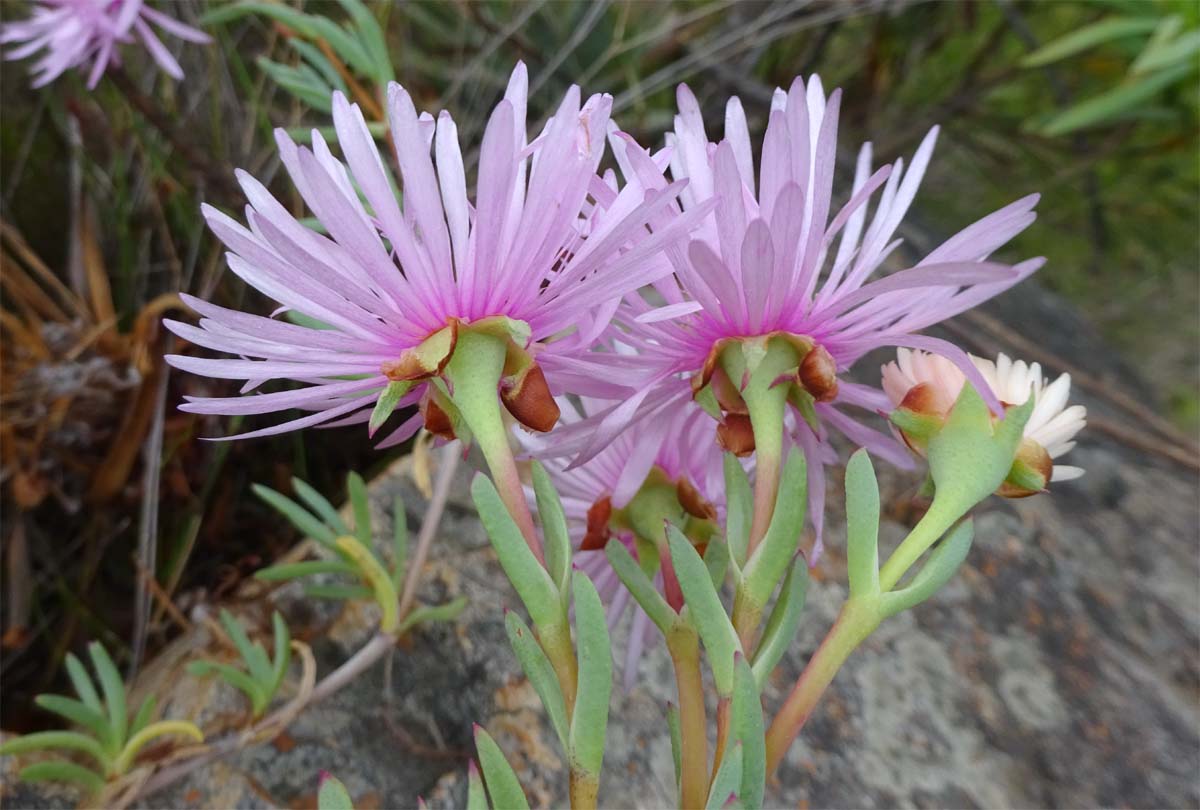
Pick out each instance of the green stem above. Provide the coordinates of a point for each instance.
(684, 647)
(941, 516)
(858, 619)
(474, 371)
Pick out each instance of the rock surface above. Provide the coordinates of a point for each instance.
(1061, 668)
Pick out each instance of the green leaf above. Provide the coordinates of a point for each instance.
(554, 527)
(589, 722)
(746, 725)
(299, 517)
(82, 683)
(943, 561)
(47, 740)
(235, 678)
(76, 712)
(61, 771)
(286, 571)
(739, 509)
(1115, 103)
(1089, 37)
(399, 541)
(434, 613)
(728, 779)
(347, 46)
(386, 404)
(372, 39)
(533, 584)
(476, 798)
(360, 503)
(716, 560)
(502, 784)
(320, 506)
(639, 585)
(770, 560)
(313, 56)
(338, 592)
(676, 741)
(113, 687)
(705, 610)
(283, 652)
(287, 15)
(252, 653)
(145, 714)
(377, 577)
(1164, 34)
(862, 526)
(332, 795)
(539, 671)
(783, 622)
(1185, 47)
(308, 88)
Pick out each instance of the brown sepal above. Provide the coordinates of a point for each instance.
(736, 435)
(1034, 461)
(818, 374)
(527, 397)
(597, 535)
(437, 421)
(693, 502)
(427, 358)
(711, 363)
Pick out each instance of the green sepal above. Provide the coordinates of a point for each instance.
(728, 779)
(503, 787)
(969, 457)
(706, 398)
(539, 671)
(705, 609)
(943, 561)
(533, 584)
(554, 528)
(640, 586)
(332, 795)
(589, 722)
(770, 560)
(805, 405)
(386, 404)
(862, 526)
(739, 509)
(784, 621)
(1024, 477)
(746, 724)
(916, 426)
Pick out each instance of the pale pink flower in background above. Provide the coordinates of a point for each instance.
(775, 256)
(76, 33)
(1053, 424)
(680, 447)
(545, 242)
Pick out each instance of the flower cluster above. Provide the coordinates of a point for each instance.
(74, 33)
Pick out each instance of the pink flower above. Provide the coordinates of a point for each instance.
(546, 245)
(676, 451)
(937, 382)
(76, 32)
(776, 258)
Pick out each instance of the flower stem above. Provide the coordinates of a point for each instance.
(474, 370)
(684, 647)
(583, 789)
(941, 516)
(856, 621)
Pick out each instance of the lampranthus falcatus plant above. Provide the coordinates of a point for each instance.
(671, 343)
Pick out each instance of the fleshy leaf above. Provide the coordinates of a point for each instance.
(770, 560)
(676, 740)
(554, 527)
(746, 724)
(476, 798)
(705, 610)
(589, 721)
(113, 687)
(1089, 37)
(434, 613)
(286, 571)
(716, 560)
(739, 509)
(639, 585)
(300, 517)
(360, 504)
(76, 712)
(539, 671)
(62, 771)
(862, 526)
(783, 622)
(320, 505)
(942, 563)
(332, 795)
(533, 584)
(728, 779)
(502, 785)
